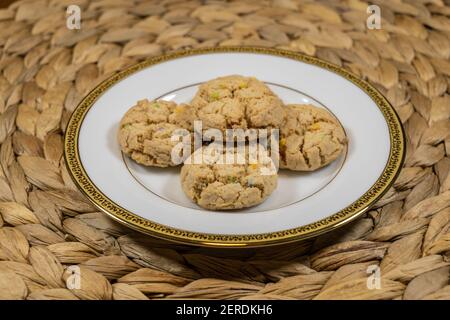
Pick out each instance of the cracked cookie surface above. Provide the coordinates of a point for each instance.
(310, 138)
(218, 185)
(235, 101)
(146, 129)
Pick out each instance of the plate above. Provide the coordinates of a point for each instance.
(304, 204)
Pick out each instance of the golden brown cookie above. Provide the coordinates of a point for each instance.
(310, 138)
(146, 129)
(219, 185)
(238, 102)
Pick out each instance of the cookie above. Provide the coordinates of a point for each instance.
(238, 102)
(146, 129)
(215, 184)
(310, 138)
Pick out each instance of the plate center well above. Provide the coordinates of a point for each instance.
(292, 186)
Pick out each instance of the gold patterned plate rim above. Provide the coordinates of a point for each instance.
(134, 221)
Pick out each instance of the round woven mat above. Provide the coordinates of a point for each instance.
(53, 243)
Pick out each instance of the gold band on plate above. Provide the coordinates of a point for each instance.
(134, 221)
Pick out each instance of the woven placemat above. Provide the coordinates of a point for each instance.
(53, 243)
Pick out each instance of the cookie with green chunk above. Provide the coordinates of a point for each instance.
(146, 129)
(236, 101)
(225, 179)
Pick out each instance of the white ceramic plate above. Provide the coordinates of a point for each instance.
(304, 204)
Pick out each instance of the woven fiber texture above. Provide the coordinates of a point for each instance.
(50, 233)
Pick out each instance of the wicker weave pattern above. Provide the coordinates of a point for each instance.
(49, 233)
